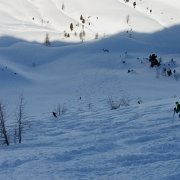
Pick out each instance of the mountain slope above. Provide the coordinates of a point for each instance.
(22, 18)
(85, 78)
(135, 142)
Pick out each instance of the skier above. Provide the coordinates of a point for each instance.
(177, 108)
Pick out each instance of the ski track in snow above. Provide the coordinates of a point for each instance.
(98, 144)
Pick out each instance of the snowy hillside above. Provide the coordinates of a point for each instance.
(99, 62)
(31, 19)
(137, 142)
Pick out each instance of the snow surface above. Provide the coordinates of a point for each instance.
(90, 141)
(136, 142)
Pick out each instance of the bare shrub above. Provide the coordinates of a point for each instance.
(124, 101)
(60, 110)
(113, 104)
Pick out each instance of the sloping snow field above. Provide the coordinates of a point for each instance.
(139, 140)
(136, 142)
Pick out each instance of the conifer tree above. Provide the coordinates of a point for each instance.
(47, 41)
(71, 27)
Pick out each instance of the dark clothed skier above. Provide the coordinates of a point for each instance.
(177, 108)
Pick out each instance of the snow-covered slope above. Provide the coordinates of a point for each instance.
(31, 19)
(133, 143)
(90, 141)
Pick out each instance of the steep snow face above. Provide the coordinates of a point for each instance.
(21, 18)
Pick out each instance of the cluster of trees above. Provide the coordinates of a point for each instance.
(66, 35)
(17, 129)
(72, 26)
(82, 32)
(167, 69)
(134, 3)
(163, 69)
(82, 19)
